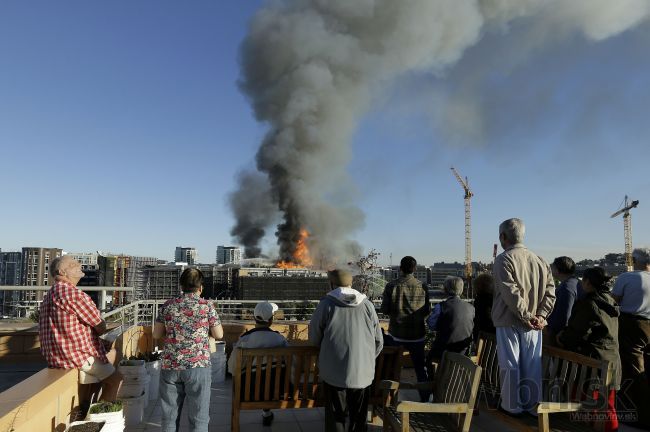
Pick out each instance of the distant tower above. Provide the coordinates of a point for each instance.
(185, 254)
(35, 267)
(228, 255)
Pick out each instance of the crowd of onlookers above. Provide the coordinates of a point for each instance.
(519, 303)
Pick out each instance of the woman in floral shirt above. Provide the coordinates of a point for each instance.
(185, 323)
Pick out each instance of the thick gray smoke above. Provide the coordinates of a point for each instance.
(310, 68)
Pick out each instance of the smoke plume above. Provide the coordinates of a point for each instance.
(311, 67)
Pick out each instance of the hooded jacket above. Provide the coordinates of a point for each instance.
(346, 327)
(593, 330)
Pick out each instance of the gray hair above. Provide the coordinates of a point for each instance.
(57, 264)
(453, 285)
(514, 230)
(641, 256)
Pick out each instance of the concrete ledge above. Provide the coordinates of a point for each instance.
(42, 402)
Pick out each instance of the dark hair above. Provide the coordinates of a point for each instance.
(484, 283)
(564, 265)
(191, 280)
(408, 265)
(597, 277)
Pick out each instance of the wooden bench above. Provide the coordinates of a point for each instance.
(568, 382)
(292, 380)
(455, 386)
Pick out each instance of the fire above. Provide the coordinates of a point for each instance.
(301, 257)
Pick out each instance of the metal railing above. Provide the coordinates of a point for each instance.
(144, 312)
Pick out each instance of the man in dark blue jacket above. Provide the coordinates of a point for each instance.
(563, 269)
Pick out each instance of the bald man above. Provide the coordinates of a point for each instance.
(69, 328)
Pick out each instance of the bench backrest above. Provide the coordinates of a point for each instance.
(388, 366)
(457, 381)
(573, 377)
(286, 375)
(486, 354)
(566, 376)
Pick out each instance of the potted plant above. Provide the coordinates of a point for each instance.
(86, 426)
(111, 413)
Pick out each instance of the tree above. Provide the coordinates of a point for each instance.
(369, 281)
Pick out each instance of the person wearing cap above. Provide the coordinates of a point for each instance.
(346, 328)
(260, 337)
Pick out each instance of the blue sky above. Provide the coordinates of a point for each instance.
(122, 129)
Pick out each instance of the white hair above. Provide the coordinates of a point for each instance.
(453, 285)
(514, 230)
(57, 264)
(641, 256)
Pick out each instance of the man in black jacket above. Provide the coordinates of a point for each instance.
(406, 302)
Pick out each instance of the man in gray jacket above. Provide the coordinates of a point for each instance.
(524, 295)
(346, 327)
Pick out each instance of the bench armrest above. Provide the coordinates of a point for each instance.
(559, 407)
(427, 407)
(405, 385)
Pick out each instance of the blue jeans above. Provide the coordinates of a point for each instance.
(179, 386)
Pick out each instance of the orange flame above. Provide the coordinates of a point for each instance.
(301, 257)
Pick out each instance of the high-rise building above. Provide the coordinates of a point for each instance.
(160, 282)
(34, 272)
(84, 258)
(280, 284)
(185, 255)
(228, 255)
(10, 267)
(217, 281)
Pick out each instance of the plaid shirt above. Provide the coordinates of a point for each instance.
(406, 301)
(65, 323)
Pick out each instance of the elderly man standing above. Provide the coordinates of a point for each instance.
(632, 292)
(524, 295)
(346, 328)
(69, 327)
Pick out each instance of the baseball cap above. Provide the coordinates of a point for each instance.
(264, 310)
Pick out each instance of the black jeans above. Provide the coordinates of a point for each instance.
(416, 350)
(341, 403)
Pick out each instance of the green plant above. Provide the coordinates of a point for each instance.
(106, 407)
(34, 315)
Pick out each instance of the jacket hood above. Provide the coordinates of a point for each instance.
(606, 303)
(346, 296)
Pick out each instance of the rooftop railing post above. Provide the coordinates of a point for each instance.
(102, 300)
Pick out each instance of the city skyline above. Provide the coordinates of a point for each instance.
(144, 131)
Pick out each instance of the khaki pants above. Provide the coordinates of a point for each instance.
(633, 339)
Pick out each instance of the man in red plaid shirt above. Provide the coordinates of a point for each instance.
(69, 328)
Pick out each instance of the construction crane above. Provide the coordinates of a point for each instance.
(627, 229)
(468, 230)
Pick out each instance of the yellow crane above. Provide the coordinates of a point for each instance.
(627, 229)
(468, 229)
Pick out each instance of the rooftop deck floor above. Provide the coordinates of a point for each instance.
(287, 420)
(300, 420)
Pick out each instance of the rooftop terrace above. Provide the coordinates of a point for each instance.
(45, 400)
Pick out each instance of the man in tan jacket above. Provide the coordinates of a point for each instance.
(524, 295)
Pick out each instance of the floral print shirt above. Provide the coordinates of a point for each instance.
(187, 321)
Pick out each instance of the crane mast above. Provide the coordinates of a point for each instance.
(627, 229)
(468, 228)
